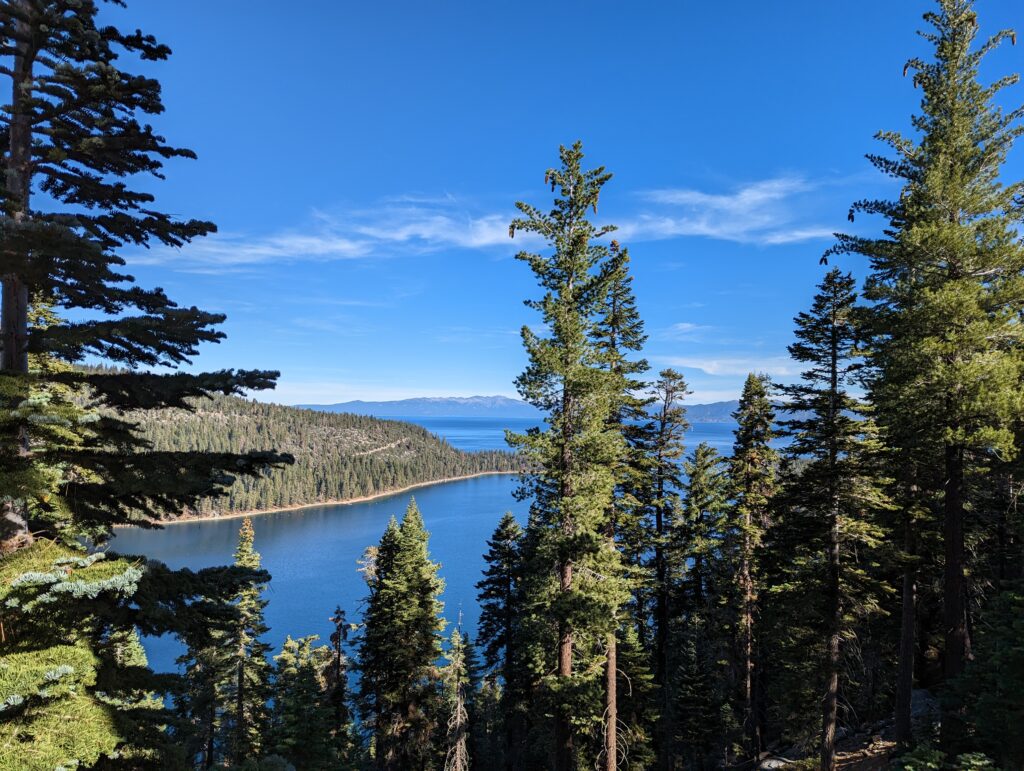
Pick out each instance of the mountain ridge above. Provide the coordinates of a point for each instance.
(489, 407)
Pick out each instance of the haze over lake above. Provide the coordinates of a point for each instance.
(312, 554)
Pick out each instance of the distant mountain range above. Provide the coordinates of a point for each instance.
(435, 407)
(491, 407)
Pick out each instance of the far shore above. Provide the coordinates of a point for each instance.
(332, 502)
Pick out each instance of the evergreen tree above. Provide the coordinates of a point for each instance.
(991, 685)
(302, 719)
(574, 460)
(198, 704)
(336, 676)
(704, 596)
(400, 645)
(827, 532)
(752, 469)
(74, 144)
(72, 131)
(619, 334)
(499, 629)
(457, 685)
(246, 679)
(946, 290)
(664, 449)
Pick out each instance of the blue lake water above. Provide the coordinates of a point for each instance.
(489, 433)
(312, 554)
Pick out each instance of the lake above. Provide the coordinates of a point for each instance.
(489, 433)
(312, 554)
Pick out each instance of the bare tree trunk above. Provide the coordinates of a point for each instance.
(908, 613)
(611, 749)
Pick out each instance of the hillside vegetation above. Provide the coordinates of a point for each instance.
(337, 456)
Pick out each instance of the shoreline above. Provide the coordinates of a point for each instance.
(332, 502)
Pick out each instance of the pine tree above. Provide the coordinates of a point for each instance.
(198, 704)
(336, 676)
(75, 140)
(946, 289)
(704, 594)
(456, 682)
(499, 629)
(302, 720)
(73, 132)
(663, 450)
(827, 530)
(400, 645)
(752, 469)
(246, 685)
(575, 458)
(619, 334)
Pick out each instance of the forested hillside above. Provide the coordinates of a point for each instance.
(337, 456)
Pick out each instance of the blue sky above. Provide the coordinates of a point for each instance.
(362, 160)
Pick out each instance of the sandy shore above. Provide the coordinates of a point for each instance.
(345, 502)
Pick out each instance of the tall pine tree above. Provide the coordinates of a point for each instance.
(946, 290)
(77, 149)
(752, 469)
(573, 461)
(827, 530)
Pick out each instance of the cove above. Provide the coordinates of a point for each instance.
(313, 554)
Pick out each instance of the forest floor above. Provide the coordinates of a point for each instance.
(873, 753)
(860, 752)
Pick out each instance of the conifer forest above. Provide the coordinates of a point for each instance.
(843, 588)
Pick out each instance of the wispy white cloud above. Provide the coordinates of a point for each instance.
(427, 229)
(764, 213)
(459, 335)
(734, 366)
(233, 250)
(684, 330)
(397, 226)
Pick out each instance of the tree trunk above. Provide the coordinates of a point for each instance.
(954, 612)
(14, 528)
(211, 734)
(611, 749)
(19, 180)
(663, 742)
(747, 641)
(908, 614)
(564, 750)
(509, 672)
(239, 753)
(831, 699)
